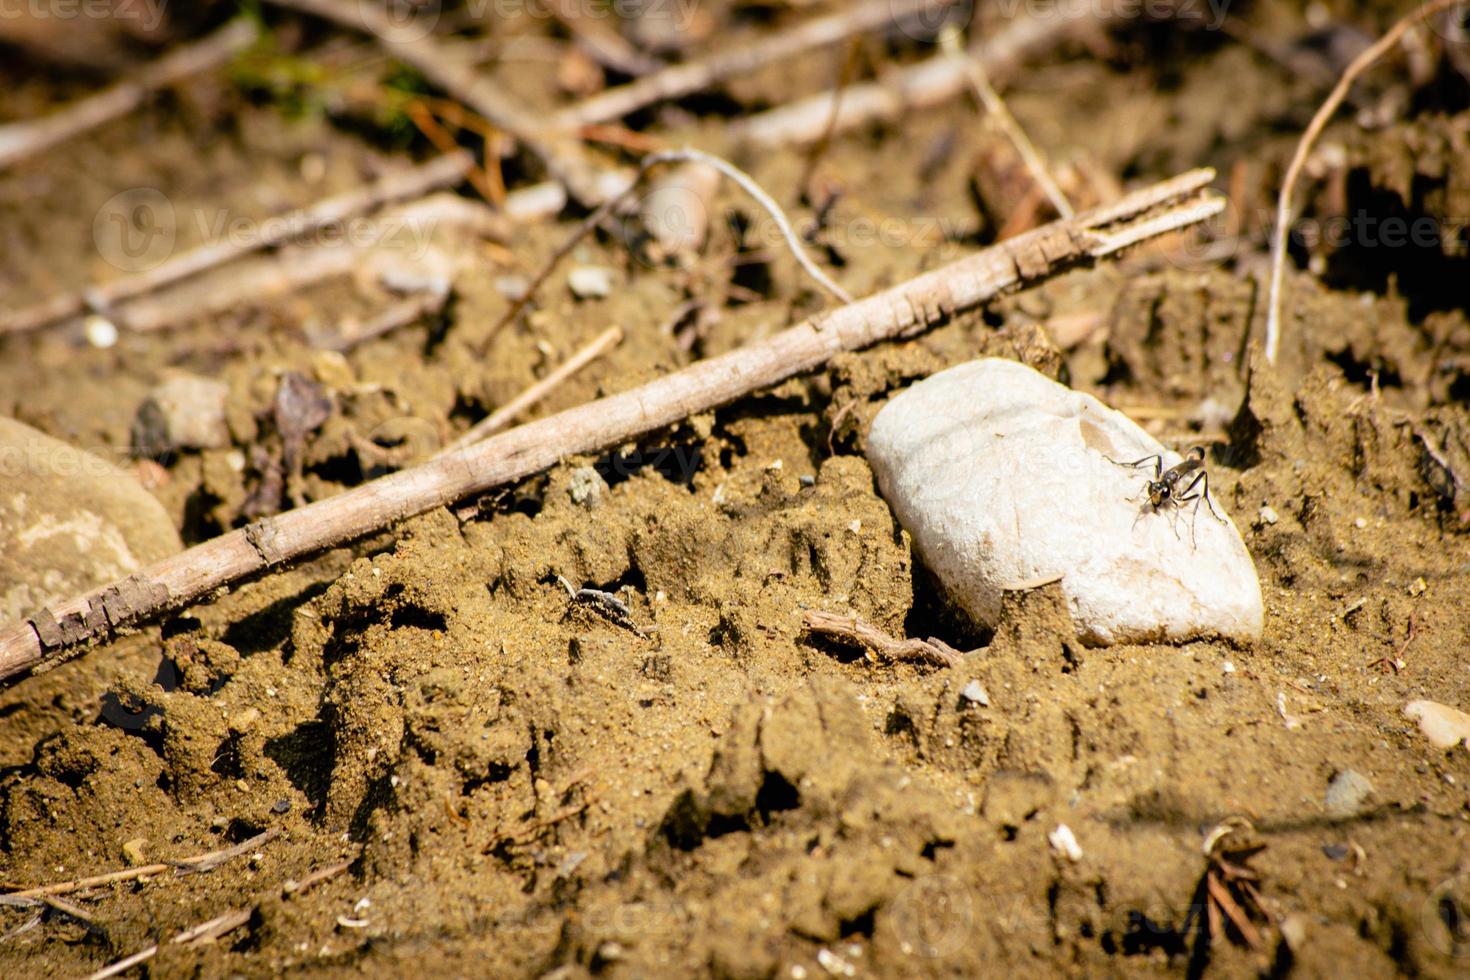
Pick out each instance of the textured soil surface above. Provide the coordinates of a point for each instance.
(522, 785)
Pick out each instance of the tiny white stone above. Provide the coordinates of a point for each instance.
(590, 282)
(101, 332)
(1064, 842)
(975, 692)
(1003, 476)
(1269, 516)
(1228, 667)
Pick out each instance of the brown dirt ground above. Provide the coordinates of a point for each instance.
(523, 787)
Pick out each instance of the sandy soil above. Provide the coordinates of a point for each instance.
(523, 787)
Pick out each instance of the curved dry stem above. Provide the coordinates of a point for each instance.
(1314, 129)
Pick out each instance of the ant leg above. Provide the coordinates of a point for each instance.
(1158, 463)
(1203, 481)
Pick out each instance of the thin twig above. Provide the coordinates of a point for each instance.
(293, 887)
(906, 90)
(677, 81)
(1314, 129)
(125, 964)
(22, 139)
(514, 408)
(397, 186)
(215, 927)
(686, 155)
(201, 862)
(903, 311)
(975, 71)
(854, 629)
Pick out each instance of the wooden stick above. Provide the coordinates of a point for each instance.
(449, 70)
(905, 90)
(201, 862)
(680, 80)
(22, 139)
(903, 311)
(396, 186)
(932, 651)
(514, 408)
(1314, 129)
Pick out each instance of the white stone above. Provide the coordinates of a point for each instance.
(1064, 842)
(1003, 476)
(590, 281)
(1445, 727)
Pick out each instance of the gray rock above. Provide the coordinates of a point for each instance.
(185, 411)
(69, 521)
(1004, 477)
(1346, 794)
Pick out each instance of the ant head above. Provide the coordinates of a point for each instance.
(1158, 493)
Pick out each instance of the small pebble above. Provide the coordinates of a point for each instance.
(1336, 852)
(1064, 842)
(512, 287)
(974, 692)
(101, 332)
(807, 480)
(281, 806)
(133, 852)
(1346, 794)
(1269, 516)
(587, 487)
(590, 281)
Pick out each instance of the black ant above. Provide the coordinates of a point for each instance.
(1165, 489)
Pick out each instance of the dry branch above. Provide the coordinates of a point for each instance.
(903, 311)
(258, 279)
(22, 139)
(852, 629)
(455, 73)
(395, 186)
(1314, 129)
(919, 86)
(681, 80)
